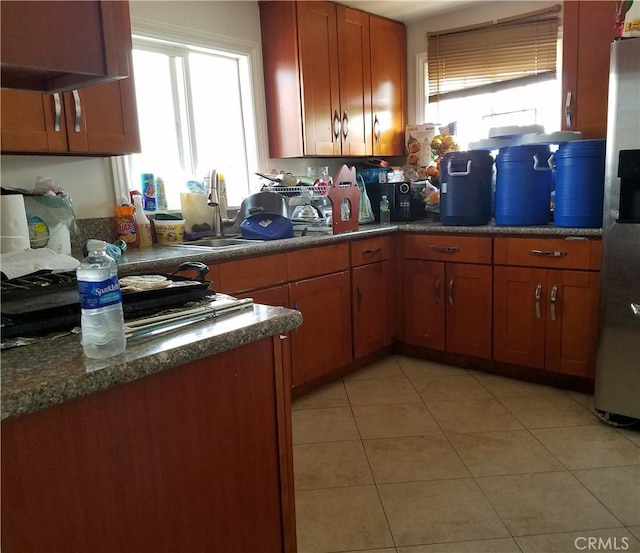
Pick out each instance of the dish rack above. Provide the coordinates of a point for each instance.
(313, 192)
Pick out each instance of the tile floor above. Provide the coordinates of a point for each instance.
(410, 456)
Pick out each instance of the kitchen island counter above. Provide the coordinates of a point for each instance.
(54, 371)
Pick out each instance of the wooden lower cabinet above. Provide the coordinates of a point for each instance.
(373, 307)
(447, 307)
(546, 318)
(323, 342)
(194, 458)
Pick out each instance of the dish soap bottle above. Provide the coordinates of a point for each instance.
(102, 320)
(142, 223)
(385, 214)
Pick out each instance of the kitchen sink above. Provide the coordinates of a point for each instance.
(219, 242)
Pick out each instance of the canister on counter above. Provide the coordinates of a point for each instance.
(149, 192)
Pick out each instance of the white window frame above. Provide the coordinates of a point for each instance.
(199, 39)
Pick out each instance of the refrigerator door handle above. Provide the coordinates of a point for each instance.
(635, 308)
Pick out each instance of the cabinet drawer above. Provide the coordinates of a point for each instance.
(250, 274)
(461, 249)
(370, 250)
(318, 261)
(559, 253)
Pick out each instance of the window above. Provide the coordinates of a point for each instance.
(196, 113)
(498, 74)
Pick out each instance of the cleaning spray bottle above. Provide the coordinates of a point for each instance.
(142, 223)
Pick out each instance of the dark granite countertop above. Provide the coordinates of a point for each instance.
(160, 257)
(54, 371)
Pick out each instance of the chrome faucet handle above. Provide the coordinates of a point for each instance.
(213, 199)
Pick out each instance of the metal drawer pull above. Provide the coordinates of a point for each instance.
(445, 249)
(537, 298)
(345, 124)
(635, 308)
(547, 253)
(437, 290)
(58, 111)
(554, 297)
(451, 292)
(336, 125)
(76, 101)
(371, 251)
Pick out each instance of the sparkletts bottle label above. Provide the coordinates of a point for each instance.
(94, 295)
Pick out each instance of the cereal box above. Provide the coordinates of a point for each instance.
(418, 144)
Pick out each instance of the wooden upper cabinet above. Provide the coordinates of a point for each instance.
(319, 78)
(588, 30)
(388, 85)
(97, 120)
(55, 46)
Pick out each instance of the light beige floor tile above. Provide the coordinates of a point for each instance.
(449, 387)
(586, 400)
(385, 368)
(332, 424)
(618, 488)
(635, 530)
(632, 434)
(499, 453)
(479, 415)
(341, 519)
(546, 502)
(395, 420)
(376, 392)
(413, 458)
(385, 550)
(501, 386)
(331, 395)
(500, 545)
(611, 539)
(330, 465)
(438, 511)
(582, 447)
(548, 411)
(416, 369)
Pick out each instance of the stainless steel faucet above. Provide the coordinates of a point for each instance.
(214, 201)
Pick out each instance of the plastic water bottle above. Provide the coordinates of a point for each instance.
(101, 302)
(385, 214)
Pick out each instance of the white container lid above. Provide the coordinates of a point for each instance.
(558, 137)
(494, 143)
(514, 130)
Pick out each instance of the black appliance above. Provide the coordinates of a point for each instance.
(45, 302)
(406, 199)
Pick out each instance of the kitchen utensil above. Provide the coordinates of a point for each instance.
(306, 213)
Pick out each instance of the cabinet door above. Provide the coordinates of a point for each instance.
(323, 342)
(318, 55)
(519, 311)
(60, 45)
(424, 303)
(388, 85)
(468, 313)
(277, 296)
(588, 30)
(32, 122)
(572, 322)
(372, 308)
(355, 81)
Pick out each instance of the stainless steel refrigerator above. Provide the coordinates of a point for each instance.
(617, 382)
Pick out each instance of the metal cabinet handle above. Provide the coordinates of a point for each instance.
(445, 249)
(371, 251)
(635, 309)
(345, 124)
(437, 290)
(451, 292)
(552, 301)
(376, 129)
(547, 253)
(78, 105)
(567, 110)
(57, 105)
(538, 295)
(296, 305)
(336, 125)
(359, 296)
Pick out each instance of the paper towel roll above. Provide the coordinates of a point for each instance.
(14, 228)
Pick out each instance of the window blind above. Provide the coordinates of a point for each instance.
(492, 55)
